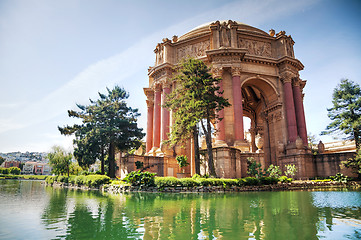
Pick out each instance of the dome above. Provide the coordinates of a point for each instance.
(204, 29)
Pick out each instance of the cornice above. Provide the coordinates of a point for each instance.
(157, 69)
(290, 61)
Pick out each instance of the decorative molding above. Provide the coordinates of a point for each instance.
(272, 108)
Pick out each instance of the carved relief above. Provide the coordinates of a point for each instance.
(194, 50)
(256, 47)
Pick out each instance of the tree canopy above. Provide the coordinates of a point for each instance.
(107, 124)
(346, 112)
(59, 160)
(196, 98)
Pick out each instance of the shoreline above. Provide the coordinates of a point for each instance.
(293, 186)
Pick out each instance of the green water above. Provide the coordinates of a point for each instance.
(30, 210)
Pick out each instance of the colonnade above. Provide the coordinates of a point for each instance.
(295, 115)
(158, 117)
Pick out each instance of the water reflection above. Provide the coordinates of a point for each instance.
(71, 214)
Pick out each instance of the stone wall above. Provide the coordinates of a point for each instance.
(329, 164)
(230, 162)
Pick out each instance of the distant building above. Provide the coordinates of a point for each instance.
(36, 168)
(9, 164)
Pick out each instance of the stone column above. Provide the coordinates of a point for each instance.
(237, 106)
(300, 114)
(157, 117)
(165, 113)
(221, 133)
(150, 105)
(290, 107)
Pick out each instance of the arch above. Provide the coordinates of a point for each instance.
(262, 84)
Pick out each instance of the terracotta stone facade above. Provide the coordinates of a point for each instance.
(261, 80)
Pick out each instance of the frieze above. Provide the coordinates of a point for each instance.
(256, 47)
(194, 50)
(226, 59)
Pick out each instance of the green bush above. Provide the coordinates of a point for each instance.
(205, 181)
(50, 179)
(14, 170)
(72, 179)
(251, 181)
(62, 179)
(268, 180)
(138, 178)
(97, 180)
(285, 179)
(79, 180)
(189, 182)
(4, 170)
(339, 178)
(162, 182)
(85, 173)
(274, 171)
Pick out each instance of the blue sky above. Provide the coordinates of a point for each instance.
(54, 54)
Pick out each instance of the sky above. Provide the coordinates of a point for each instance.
(55, 54)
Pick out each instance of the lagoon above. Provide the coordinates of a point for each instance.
(31, 210)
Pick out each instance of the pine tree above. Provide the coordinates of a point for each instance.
(108, 124)
(346, 112)
(196, 100)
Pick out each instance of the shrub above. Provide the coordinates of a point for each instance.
(251, 181)
(229, 182)
(285, 179)
(189, 182)
(274, 171)
(62, 179)
(14, 170)
(268, 180)
(4, 170)
(241, 182)
(162, 182)
(139, 164)
(339, 178)
(80, 180)
(72, 179)
(96, 180)
(290, 170)
(50, 180)
(254, 169)
(205, 181)
(138, 178)
(85, 173)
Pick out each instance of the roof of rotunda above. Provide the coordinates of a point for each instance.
(204, 28)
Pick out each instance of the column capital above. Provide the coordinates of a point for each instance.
(217, 72)
(150, 103)
(235, 71)
(158, 87)
(166, 83)
(295, 82)
(286, 77)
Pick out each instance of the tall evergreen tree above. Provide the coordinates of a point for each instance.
(346, 112)
(196, 100)
(107, 124)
